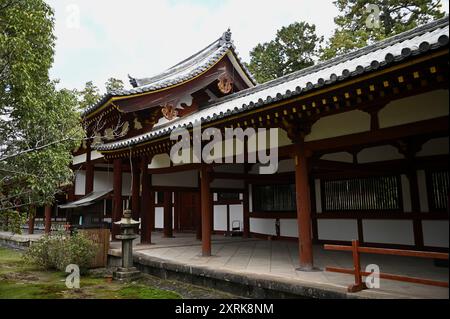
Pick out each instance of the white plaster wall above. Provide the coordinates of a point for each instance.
(236, 213)
(220, 217)
(388, 231)
(339, 124)
(262, 226)
(160, 161)
(287, 165)
(103, 181)
(288, 227)
(339, 157)
(283, 138)
(337, 229)
(379, 153)
(422, 185)
(79, 159)
(182, 179)
(279, 138)
(96, 155)
(274, 137)
(415, 108)
(436, 146)
(159, 217)
(80, 182)
(406, 194)
(435, 233)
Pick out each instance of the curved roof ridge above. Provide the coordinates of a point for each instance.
(339, 59)
(179, 73)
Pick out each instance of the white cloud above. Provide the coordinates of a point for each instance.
(142, 38)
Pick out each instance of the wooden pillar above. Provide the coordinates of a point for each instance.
(147, 205)
(198, 220)
(135, 188)
(117, 189)
(31, 216)
(168, 220)
(206, 211)
(89, 183)
(246, 209)
(48, 219)
(409, 149)
(303, 207)
(415, 206)
(176, 210)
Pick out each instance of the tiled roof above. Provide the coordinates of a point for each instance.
(182, 72)
(411, 43)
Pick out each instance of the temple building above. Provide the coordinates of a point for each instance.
(362, 145)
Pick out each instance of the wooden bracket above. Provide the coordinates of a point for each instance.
(297, 129)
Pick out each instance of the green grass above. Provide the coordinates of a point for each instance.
(21, 281)
(143, 292)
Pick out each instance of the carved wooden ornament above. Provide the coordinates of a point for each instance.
(225, 84)
(169, 111)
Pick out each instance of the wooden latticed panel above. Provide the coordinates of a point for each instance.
(101, 238)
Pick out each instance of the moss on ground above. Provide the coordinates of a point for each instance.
(20, 281)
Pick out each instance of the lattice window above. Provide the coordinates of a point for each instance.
(274, 198)
(226, 196)
(439, 189)
(377, 193)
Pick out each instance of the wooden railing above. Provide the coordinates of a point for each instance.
(356, 271)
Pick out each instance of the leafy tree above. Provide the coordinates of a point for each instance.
(39, 125)
(362, 22)
(114, 84)
(89, 95)
(293, 49)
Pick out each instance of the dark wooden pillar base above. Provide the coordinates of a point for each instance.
(48, 219)
(206, 211)
(168, 220)
(246, 230)
(31, 215)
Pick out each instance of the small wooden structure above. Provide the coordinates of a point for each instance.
(101, 238)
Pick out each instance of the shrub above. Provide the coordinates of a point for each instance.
(59, 250)
(12, 221)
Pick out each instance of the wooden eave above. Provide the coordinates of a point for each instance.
(407, 78)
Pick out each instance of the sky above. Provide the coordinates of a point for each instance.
(99, 39)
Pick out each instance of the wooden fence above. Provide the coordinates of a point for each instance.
(101, 238)
(356, 271)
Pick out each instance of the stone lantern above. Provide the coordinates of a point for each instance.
(127, 235)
